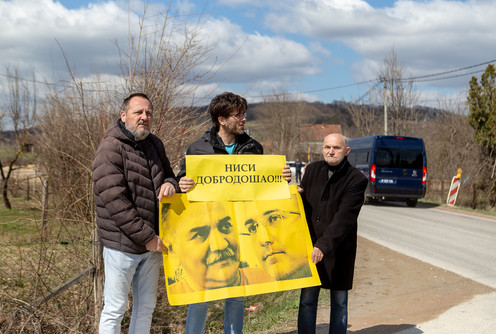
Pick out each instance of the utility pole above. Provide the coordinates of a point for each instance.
(385, 107)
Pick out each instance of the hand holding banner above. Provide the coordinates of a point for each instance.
(230, 249)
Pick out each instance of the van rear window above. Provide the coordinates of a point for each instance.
(395, 158)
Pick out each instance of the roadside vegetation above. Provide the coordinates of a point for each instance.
(51, 272)
(22, 254)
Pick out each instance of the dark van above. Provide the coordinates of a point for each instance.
(395, 166)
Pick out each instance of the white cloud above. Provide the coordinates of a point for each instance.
(442, 100)
(235, 3)
(32, 28)
(307, 38)
(255, 57)
(185, 6)
(36, 33)
(317, 47)
(366, 69)
(429, 36)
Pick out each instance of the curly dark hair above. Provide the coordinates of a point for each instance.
(225, 103)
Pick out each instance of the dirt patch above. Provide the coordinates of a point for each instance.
(393, 292)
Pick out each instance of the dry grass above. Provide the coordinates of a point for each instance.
(31, 267)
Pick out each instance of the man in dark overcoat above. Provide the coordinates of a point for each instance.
(332, 191)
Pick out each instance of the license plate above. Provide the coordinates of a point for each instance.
(387, 181)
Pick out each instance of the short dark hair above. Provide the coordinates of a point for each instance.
(125, 103)
(225, 103)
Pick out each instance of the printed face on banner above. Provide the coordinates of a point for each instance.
(230, 249)
(274, 228)
(206, 244)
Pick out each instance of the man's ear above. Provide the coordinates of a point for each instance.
(222, 120)
(123, 117)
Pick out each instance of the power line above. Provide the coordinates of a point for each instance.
(456, 70)
(451, 77)
(424, 78)
(367, 92)
(339, 87)
(420, 78)
(414, 79)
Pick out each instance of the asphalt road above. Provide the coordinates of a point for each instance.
(461, 243)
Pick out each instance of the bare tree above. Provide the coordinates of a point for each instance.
(72, 123)
(166, 68)
(401, 96)
(20, 111)
(389, 106)
(283, 114)
(366, 118)
(449, 143)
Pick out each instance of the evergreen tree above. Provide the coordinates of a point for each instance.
(482, 107)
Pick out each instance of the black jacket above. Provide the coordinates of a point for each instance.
(332, 206)
(211, 143)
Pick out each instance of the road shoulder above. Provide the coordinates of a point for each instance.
(394, 292)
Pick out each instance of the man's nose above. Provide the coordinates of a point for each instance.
(264, 237)
(218, 241)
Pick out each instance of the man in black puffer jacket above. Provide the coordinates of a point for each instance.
(227, 136)
(130, 172)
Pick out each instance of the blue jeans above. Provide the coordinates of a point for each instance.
(307, 313)
(233, 316)
(122, 269)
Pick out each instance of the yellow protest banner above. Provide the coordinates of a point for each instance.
(236, 177)
(227, 249)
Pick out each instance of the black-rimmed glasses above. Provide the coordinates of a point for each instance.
(239, 116)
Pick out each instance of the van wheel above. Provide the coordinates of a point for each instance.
(411, 203)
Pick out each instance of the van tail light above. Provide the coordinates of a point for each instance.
(373, 169)
(424, 175)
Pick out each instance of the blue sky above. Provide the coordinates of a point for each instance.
(319, 50)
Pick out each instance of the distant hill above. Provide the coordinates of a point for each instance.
(337, 112)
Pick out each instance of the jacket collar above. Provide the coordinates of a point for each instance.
(119, 131)
(339, 167)
(214, 139)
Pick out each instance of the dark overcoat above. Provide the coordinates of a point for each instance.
(332, 206)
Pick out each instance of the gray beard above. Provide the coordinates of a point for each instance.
(138, 134)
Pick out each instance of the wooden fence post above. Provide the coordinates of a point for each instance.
(442, 191)
(98, 278)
